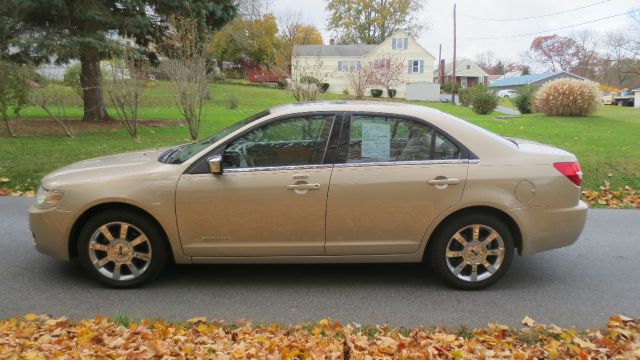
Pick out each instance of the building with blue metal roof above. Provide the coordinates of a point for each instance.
(535, 79)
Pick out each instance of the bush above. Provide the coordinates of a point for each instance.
(485, 102)
(391, 93)
(309, 80)
(72, 78)
(281, 84)
(448, 87)
(376, 92)
(467, 95)
(567, 97)
(324, 87)
(345, 92)
(232, 102)
(524, 98)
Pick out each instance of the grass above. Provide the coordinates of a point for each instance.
(605, 143)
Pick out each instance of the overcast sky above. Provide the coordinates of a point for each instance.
(439, 19)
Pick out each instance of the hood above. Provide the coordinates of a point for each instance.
(138, 165)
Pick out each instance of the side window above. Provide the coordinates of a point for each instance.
(380, 139)
(444, 149)
(297, 141)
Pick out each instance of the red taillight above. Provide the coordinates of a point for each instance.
(571, 170)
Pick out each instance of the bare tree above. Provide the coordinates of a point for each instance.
(587, 56)
(186, 65)
(387, 72)
(292, 32)
(621, 63)
(307, 79)
(361, 75)
(125, 87)
(52, 100)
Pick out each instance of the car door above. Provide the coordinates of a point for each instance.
(270, 199)
(392, 178)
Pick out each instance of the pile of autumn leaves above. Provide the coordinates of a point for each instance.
(41, 337)
(626, 197)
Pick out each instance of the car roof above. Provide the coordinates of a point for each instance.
(356, 106)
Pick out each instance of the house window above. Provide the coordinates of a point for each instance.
(400, 43)
(348, 65)
(416, 66)
(468, 67)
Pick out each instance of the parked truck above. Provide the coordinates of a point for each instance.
(623, 98)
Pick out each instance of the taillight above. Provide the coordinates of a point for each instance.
(571, 170)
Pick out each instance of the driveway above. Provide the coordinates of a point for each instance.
(580, 285)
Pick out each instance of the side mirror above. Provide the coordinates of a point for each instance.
(215, 164)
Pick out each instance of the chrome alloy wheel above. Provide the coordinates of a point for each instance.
(475, 253)
(120, 251)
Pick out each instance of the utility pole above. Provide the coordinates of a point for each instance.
(453, 75)
(440, 65)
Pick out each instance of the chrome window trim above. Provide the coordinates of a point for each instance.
(410, 162)
(279, 168)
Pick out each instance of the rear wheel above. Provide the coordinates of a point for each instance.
(122, 248)
(472, 252)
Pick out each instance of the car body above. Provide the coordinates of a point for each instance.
(317, 183)
(507, 93)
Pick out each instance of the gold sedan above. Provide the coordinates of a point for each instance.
(317, 183)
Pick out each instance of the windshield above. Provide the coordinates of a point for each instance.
(182, 153)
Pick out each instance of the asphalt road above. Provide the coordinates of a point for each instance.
(580, 285)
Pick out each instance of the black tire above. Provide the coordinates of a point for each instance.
(158, 246)
(440, 239)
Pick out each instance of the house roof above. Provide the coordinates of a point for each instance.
(461, 69)
(333, 50)
(529, 79)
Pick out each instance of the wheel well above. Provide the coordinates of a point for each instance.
(508, 220)
(77, 226)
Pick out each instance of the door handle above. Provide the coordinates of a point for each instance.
(303, 186)
(444, 181)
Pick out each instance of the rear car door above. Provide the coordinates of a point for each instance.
(270, 199)
(392, 178)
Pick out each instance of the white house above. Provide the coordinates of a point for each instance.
(333, 61)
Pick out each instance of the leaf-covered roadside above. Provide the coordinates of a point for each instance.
(41, 337)
(626, 197)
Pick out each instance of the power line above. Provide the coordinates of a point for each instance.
(545, 31)
(538, 16)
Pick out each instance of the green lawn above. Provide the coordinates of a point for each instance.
(606, 143)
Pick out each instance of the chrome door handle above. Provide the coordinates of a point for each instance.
(303, 187)
(443, 181)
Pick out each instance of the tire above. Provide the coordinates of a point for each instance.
(140, 256)
(455, 262)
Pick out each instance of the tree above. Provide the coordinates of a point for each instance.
(372, 21)
(187, 51)
(14, 91)
(387, 72)
(292, 33)
(621, 64)
(307, 78)
(556, 52)
(526, 70)
(247, 39)
(587, 57)
(485, 60)
(84, 29)
(361, 75)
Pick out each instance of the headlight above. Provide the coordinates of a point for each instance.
(46, 199)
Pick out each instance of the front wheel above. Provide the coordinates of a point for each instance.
(472, 252)
(121, 248)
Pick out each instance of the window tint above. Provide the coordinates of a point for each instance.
(298, 141)
(381, 139)
(444, 149)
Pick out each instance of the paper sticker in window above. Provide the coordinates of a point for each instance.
(376, 142)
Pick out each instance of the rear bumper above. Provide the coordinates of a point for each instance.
(546, 229)
(51, 228)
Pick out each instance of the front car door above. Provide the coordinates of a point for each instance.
(270, 199)
(393, 177)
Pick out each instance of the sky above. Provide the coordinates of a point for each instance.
(438, 16)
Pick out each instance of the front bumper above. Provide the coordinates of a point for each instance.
(51, 229)
(546, 228)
